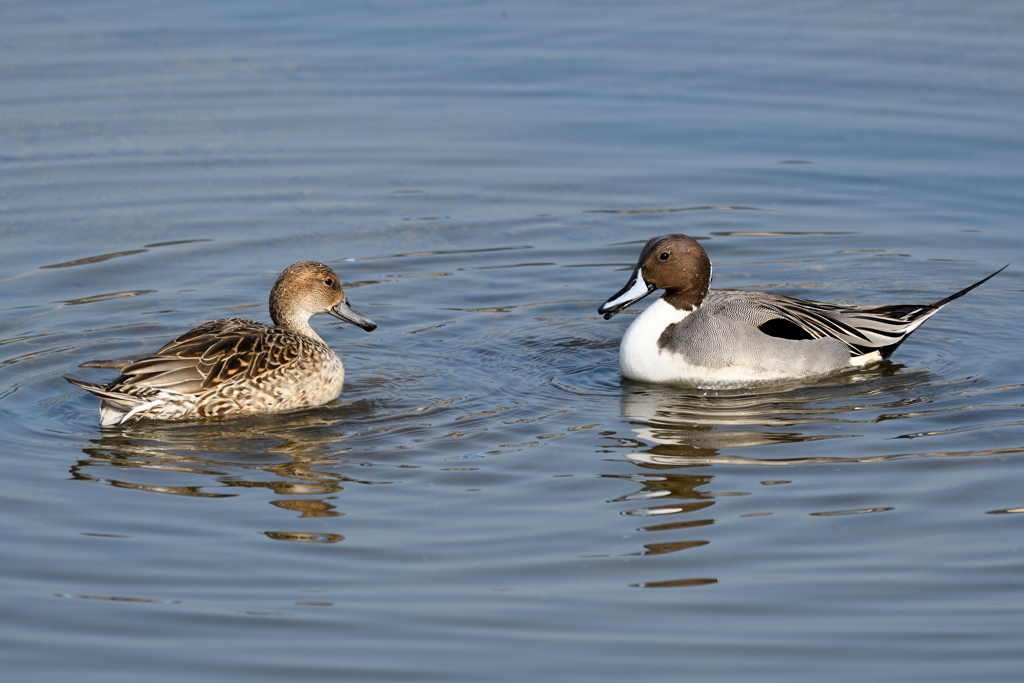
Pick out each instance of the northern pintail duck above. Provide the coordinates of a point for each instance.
(233, 366)
(730, 337)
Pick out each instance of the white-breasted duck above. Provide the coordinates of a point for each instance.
(731, 337)
(233, 366)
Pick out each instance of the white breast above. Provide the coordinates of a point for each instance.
(641, 359)
(639, 356)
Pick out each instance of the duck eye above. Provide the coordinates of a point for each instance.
(664, 256)
(329, 282)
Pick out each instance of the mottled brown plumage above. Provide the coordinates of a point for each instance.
(233, 366)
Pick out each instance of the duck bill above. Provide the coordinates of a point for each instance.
(347, 314)
(627, 296)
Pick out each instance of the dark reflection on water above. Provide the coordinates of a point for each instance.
(688, 208)
(859, 511)
(118, 598)
(676, 583)
(95, 259)
(304, 537)
(677, 429)
(693, 426)
(283, 454)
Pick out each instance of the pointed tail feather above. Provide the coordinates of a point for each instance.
(115, 407)
(126, 400)
(118, 365)
(916, 315)
(952, 297)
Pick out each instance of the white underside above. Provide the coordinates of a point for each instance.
(641, 360)
(866, 359)
(111, 414)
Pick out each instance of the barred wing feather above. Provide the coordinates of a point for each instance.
(211, 354)
(863, 328)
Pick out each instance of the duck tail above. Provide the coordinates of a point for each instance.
(916, 315)
(952, 297)
(118, 365)
(114, 406)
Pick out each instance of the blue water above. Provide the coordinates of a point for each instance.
(489, 499)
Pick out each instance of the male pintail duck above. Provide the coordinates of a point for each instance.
(731, 337)
(233, 366)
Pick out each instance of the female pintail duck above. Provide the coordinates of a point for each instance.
(732, 337)
(233, 366)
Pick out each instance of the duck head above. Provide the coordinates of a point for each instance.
(307, 288)
(675, 263)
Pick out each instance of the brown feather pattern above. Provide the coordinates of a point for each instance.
(232, 365)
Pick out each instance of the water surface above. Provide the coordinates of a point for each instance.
(489, 499)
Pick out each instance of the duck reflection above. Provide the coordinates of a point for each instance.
(682, 496)
(291, 455)
(679, 432)
(681, 510)
(689, 426)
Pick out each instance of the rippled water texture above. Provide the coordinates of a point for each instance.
(489, 499)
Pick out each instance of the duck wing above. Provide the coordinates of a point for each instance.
(862, 328)
(209, 355)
